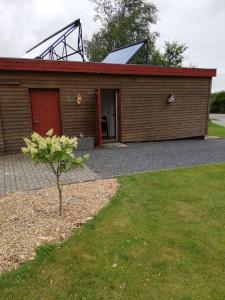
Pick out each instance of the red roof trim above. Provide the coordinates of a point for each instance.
(18, 64)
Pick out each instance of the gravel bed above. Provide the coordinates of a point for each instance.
(29, 219)
(141, 157)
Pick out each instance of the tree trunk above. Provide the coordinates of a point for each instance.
(60, 195)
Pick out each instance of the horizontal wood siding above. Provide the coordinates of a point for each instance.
(145, 113)
(15, 112)
(2, 144)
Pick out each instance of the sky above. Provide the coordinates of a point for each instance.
(197, 23)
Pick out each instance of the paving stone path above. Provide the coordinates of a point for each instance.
(18, 173)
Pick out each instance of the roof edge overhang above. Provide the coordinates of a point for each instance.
(39, 65)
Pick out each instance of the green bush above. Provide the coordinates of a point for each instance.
(218, 103)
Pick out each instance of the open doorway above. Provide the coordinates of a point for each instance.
(109, 118)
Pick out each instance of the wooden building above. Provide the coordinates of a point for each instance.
(127, 103)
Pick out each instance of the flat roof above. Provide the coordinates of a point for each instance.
(39, 65)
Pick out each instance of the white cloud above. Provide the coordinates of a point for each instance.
(200, 24)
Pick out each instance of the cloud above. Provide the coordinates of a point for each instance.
(24, 23)
(216, 7)
(199, 24)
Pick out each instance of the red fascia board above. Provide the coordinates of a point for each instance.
(18, 64)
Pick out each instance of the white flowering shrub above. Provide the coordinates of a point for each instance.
(57, 153)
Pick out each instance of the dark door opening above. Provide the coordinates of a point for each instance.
(109, 119)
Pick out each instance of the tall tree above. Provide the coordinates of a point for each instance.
(125, 22)
(174, 54)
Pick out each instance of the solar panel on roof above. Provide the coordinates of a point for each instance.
(123, 55)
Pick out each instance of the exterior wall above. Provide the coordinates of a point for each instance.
(148, 116)
(15, 114)
(145, 113)
(1, 135)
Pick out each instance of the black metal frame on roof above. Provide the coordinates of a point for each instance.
(52, 53)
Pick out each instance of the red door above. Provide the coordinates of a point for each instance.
(99, 116)
(45, 111)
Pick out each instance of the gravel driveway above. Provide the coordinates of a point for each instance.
(142, 157)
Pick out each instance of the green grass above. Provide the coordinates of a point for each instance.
(216, 130)
(161, 237)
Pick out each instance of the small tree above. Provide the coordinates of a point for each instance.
(56, 153)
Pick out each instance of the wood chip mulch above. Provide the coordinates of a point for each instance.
(29, 219)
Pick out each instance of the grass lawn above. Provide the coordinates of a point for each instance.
(161, 237)
(216, 130)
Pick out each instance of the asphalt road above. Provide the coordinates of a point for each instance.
(218, 119)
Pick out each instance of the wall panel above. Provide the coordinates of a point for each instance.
(145, 113)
